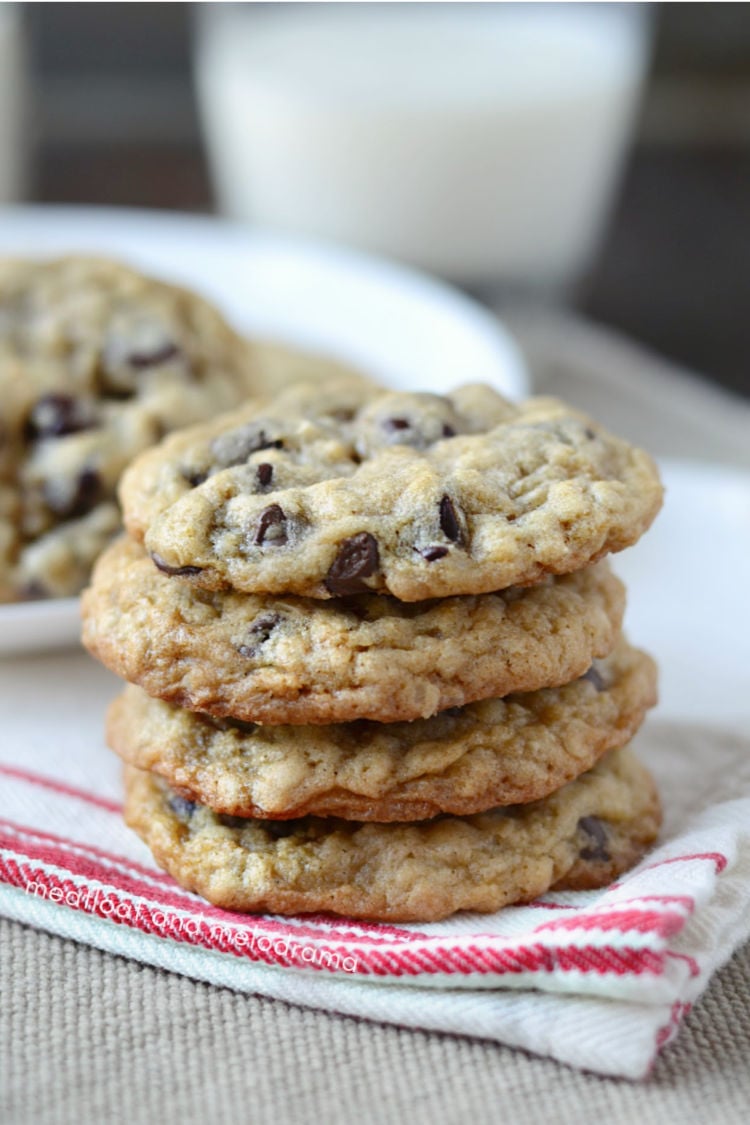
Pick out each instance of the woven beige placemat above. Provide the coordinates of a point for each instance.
(92, 1038)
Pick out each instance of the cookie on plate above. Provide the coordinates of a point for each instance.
(462, 761)
(96, 363)
(581, 836)
(299, 660)
(417, 495)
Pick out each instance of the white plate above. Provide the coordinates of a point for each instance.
(688, 600)
(400, 326)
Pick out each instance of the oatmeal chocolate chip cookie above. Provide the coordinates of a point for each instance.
(96, 364)
(497, 752)
(416, 495)
(296, 660)
(581, 836)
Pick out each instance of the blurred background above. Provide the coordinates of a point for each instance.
(602, 162)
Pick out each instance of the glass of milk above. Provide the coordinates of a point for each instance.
(482, 142)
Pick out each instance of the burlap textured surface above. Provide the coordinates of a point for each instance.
(91, 1038)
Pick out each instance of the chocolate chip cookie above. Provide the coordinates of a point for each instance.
(462, 761)
(299, 660)
(417, 495)
(96, 364)
(581, 836)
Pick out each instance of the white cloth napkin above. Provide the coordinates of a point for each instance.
(598, 980)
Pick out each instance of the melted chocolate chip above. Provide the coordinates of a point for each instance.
(271, 527)
(449, 524)
(595, 677)
(431, 554)
(259, 632)
(448, 431)
(174, 571)
(56, 415)
(392, 424)
(358, 558)
(592, 827)
(180, 806)
(144, 359)
(264, 474)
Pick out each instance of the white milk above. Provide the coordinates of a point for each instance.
(480, 141)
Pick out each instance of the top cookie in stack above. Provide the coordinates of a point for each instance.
(347, 491)
(405, 588)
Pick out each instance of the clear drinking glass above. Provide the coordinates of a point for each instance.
(483, 142)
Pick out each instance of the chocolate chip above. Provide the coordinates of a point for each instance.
(88, 492)
(242, 726)
(271, 527)
(589, 433)
(592, 827)
(259, 632)
(264, 474)
(595, 677)
(448, 431)
(174, 571)
(34, 591)
(449, 520)
(194, 477)
(236, 446)
(162, 354)
(431, 554)
(56, 415)
(85, 495)
(392, 424)
(358, 558)
(181, 807)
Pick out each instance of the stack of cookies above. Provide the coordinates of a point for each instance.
(375, 663)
